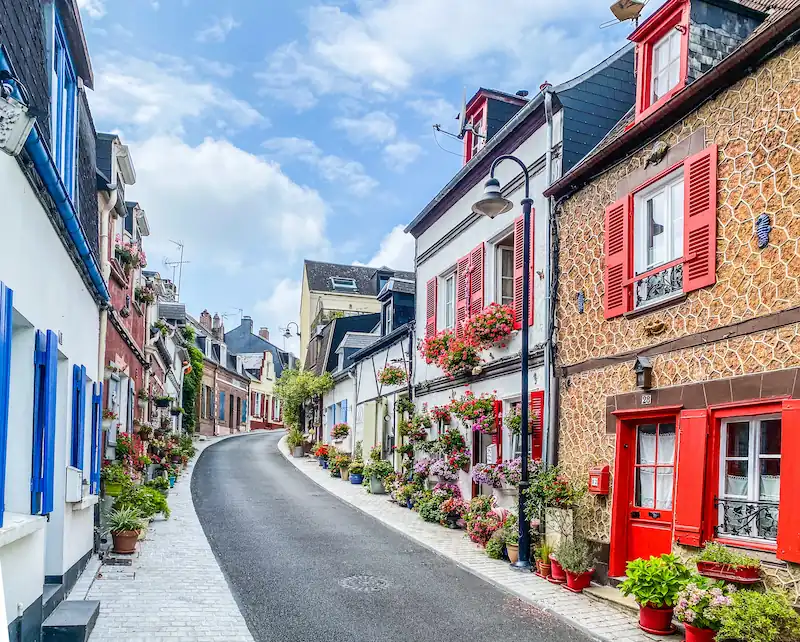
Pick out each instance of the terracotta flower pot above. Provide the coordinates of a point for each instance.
(543, 568)
(557, 574)
(693, 634)
(513, 553)
(125, 541)
(656, 620)
(576, 582)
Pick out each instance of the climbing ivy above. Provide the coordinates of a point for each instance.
(191, 381)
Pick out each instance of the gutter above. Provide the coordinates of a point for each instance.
(730, 70)
(45, 167)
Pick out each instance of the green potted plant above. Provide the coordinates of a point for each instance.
(357, 472)
(162, 401)
(759, 617)
(175, 411)
(543, 564)
(143, 397)
(114, 479)
(377, 470)
(496, 546)
(343, 464)
(161, 484)
(295, 442)
(576, 560)
(720, 562)
(699, 607)
(124, 524)
(512, 544)
(655, 585)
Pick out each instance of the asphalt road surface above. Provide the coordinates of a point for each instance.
(306, 567)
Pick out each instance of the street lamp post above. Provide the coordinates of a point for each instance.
(493, 204)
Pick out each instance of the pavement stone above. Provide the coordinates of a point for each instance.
(587, 614)
(174, 590)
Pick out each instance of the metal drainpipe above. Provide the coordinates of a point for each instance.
(550, 412)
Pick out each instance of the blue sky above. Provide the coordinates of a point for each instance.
(268, 131)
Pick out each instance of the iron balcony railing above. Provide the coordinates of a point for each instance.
(743, 518)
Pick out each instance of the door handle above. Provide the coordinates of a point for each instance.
(635, 514)
(654, 514)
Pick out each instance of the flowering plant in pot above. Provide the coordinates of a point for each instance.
(109, 416)
(699, 607)
(432, 348)
(655, 585)
(513, 420)
(124, 524)
(476, 412)
(460, 357)
(576, 560)
(480, 527)
(392, 376)
(405, 450)
(459, 459)
(444, 470)
(162, 401)
(114, 478)
(321, 452)
(340, 430)
(491, 325)
(487, 475)
(512, 541)
(441, 413)
(720, 562)
(423, 467)
(453, 510)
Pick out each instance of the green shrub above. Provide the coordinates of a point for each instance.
(759, 617)
(714, 552)
(146, 500)
(430, 509)
(574, 555)
(495, 547)
(656, 581)
(378, 468)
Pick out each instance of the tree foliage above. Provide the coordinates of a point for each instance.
(295, 387)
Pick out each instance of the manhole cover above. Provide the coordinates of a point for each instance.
(364, 583)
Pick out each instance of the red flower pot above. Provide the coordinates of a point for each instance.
(557, 574)
(656, 620)
(735, 574)
(576, 582)
(693, 634)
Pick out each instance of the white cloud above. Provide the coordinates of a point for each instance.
(218, 30)
(437, 110)
(216, 67)
(376, 126)
(401, 154)
(348, 174)
(161, 95)
(396, 251)
(93, 8)
(381, 48)
(276, 311)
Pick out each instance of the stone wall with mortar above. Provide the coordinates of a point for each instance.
(756, 125)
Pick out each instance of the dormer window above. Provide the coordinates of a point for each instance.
(340, 283)
(662, 54)
(477, 138)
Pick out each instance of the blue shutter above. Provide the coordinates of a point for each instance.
(244, 411)
(97, 419)
(44, 433)
(222, 406)
(78, 414)
(344, 411)
(6, 313)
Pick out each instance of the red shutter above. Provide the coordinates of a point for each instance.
(618, 257)
(789, 506)
(518, 263)
(430, 315)
(264, 406)
(497, 437)
(536, 410)
(690, 471)
(477, 274)
(700, 220)
(253, 408)
(461, 294)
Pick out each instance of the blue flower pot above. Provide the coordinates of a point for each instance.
(172, 482)
(321, 461)
(409, 504)
(356, 479)
(325, 464)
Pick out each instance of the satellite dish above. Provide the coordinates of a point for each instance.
(627, 9)
(462, 117)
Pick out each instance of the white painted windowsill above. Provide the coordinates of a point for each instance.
(16, 526)
(86, 502)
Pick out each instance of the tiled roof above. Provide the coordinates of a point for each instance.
(319, 276)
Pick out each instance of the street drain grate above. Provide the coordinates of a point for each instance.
(364, 583)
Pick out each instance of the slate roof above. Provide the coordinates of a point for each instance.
(357, 340)
(396, 335)
(241, 340)
(319, 276)
(399, 285)
(172, 311)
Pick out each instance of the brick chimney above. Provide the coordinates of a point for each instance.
(264, 333)
(217, 330)
(205, 320)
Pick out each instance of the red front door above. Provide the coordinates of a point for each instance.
(646, 453)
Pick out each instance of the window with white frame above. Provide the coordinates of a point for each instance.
(478, 138)
(658, 238)
(341, 283)
(388, 313)
(276, 409)
(449, 302)
(666, 64)
(750, 475)
(64, 93)
(504, 268)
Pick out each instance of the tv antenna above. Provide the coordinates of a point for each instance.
(463, 127)
(625, 10)
(177, 265)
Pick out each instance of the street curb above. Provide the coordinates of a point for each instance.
(284, 450)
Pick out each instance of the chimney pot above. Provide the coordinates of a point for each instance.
(264, 333)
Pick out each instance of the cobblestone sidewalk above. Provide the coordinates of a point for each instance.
(174, 591)
(598, 619)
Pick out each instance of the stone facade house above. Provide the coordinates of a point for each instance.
(678, 289)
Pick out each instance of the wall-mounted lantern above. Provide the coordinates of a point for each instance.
(644, 373)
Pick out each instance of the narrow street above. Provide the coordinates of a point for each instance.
(304, 566)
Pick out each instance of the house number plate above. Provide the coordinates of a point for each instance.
(647, 400)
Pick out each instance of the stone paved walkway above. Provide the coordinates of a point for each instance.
(598, 619)
(174, 591)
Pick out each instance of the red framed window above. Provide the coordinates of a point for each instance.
(475, 137)
(662, 56)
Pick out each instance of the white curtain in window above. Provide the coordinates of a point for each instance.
(736, 485)
(664, 489)
(647, 448)
(770, 488)
(646, 487)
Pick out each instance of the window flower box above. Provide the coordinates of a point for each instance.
(729, 572)
(491, 326)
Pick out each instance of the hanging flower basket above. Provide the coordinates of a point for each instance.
(432, 348)
(340, 431)
(460, 358)
(392, 376)
(491, 326)
(476, 412)
(441, 413)
(162, 402)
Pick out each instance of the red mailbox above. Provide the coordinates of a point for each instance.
(598, 480)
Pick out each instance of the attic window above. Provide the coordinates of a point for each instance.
(340, 283)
